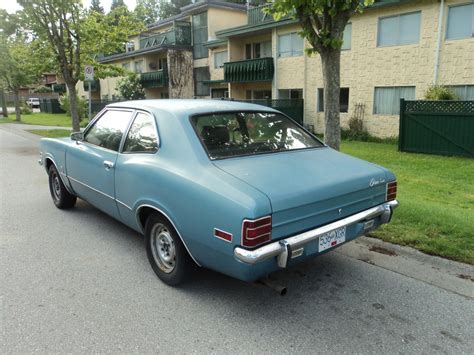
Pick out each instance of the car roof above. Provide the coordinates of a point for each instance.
(188, 107)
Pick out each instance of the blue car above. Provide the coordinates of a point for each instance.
(234, 187)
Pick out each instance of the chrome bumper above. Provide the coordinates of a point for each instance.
(292, 246)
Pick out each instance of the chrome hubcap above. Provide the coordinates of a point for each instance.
(162, 246)
(56, 186)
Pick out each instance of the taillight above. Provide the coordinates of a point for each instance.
(391, 191)
(256, 232)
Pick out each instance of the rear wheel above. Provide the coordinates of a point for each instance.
(61, 197)
(166, 253)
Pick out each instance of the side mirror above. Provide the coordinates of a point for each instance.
(77, 136)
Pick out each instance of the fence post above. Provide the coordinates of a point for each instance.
(401, 124)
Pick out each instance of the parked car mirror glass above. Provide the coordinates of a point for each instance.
(77, 136)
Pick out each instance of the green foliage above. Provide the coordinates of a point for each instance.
(364, 136)
(96, 6)
(116, 4)
(130, 87)
(65, 104)
(25, 109)
(147, 11)
(439, 92)
(41, 89)
(168, 8)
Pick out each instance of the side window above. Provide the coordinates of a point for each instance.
(142, 136)
(108, 130)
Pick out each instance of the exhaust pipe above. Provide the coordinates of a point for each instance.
(281, 290)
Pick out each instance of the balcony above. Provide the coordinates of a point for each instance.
(95, 86)
(260, 69)
(59, 88)
(154, 79)
(180, 34)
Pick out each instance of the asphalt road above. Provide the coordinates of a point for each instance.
(78, 281)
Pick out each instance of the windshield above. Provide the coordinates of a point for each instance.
(246, 133)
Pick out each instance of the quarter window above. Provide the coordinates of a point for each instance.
(399, 30)
(460, 22)
(108, 130)
(142, 136)
(387, 100)
(290, 45)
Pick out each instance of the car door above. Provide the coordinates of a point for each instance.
(136, 169)
(90, 164)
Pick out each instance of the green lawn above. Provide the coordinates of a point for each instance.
(43, 119)
(436, 194)
(51, 133)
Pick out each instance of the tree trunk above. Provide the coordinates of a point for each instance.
(16, 100)
(73, 106)
(4, 103)
(331, 64)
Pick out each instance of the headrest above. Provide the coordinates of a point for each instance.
(215, 135)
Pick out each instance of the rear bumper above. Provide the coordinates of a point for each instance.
(292, 247)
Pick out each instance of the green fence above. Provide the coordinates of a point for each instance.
(50, 106)
(291, 107)
(437, 127)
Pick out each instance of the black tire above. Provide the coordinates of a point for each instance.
(166, 253)
(61, 197)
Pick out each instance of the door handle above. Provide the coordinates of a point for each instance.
(108, 165)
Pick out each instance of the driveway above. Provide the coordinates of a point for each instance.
(78, 281)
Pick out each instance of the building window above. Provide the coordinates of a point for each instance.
(290, 94)
(290, 45)
(200, 35)
(258, 50)
(130, 47)
(258, 94)
(387, 99)
(399, 30)
(126, 66)
(343, 100)
(347, 37)
(139, 66)
(463, 92)
(162, 64)
(219, 93)
(200, 75)
(460, 22)
(219, 59)
(164, 95)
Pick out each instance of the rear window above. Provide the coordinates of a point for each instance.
(233, 134)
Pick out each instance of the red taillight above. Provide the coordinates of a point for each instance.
(391, 191)
(256, 232)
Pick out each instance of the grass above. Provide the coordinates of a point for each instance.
(51, 133)
(436, 194)
(43, 119)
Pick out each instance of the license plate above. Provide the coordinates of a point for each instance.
(331, 239)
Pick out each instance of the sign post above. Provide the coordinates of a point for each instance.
(89, 77)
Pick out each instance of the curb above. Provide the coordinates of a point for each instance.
(443, 273)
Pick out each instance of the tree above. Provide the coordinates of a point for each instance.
(96, 6)
(147, 11)
(116, 3)
(76, 36)
(323, 23)
(168, 8)
(130, 87)
(16, 67)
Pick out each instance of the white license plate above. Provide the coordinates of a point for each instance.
(331, 239)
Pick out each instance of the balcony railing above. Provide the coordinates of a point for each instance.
(260, 69)
(258, 15)
(95, 86)
(154, 79)
(180, 34)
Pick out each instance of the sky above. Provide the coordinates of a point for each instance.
(12, 5)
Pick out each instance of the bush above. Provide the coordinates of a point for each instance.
(82, 107)
(439, 92)
(364, 136)
(42, 89)
(130, 87)
(25, 109)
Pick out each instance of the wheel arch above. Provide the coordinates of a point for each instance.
(145, 210)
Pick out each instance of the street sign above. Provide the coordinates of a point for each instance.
(88, 73)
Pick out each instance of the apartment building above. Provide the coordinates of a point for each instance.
(394, 49)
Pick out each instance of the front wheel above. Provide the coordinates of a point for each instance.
(61, 197)
(166, 253)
